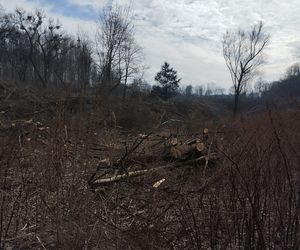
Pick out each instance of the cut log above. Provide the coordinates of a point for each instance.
(115, 178)
(192, 141)
(192, 153)
(185, 151)
(158, 183)
(120, 176)
(173, 141)
(200, 147)
(175, 153)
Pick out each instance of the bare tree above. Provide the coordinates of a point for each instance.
(5, 25)
(45, 42)
(33, 50)
(261, 87)
(293, 71)
(119, 55)
(200, 90)
(133, 56)
(115, 25)
(189, 90)
(6, 29)
(17, 54)
(209, 89)
(84, 62)
(242, 52)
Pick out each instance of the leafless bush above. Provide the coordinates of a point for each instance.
(247, 199)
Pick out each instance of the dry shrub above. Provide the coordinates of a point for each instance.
(262, 173)
(248, 199)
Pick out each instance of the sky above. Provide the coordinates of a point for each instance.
(188, 33)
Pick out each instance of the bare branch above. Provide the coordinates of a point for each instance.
(242, 52)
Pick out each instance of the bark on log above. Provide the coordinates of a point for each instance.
(180, 164)
(121, 176)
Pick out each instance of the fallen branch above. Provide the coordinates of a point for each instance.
(119, 177)
(177, 155)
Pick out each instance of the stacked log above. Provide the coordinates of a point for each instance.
(178, 154)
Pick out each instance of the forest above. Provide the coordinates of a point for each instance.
(93, 156)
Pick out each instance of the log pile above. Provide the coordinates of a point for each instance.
(195, 152)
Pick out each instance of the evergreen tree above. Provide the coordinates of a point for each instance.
(167, 78)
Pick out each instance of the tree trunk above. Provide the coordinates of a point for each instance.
(38, 74)
(125, 85)
(236, 103)
(166, 92)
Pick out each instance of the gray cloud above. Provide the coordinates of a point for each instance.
(188, 33)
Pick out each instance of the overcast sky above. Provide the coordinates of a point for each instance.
(188, 33)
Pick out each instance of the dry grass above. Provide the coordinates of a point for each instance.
(249, 199)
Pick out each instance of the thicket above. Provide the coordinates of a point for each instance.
(58, 129)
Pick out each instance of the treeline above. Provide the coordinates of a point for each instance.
(285, 89)
(37, 51)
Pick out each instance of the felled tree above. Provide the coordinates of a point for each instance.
(167, 78)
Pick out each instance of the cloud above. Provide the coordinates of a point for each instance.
(188, 33)
(11, 5)
(70, 24)
(96, 4)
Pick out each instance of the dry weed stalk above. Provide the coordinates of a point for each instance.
(247, 199)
